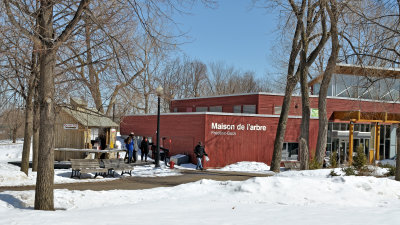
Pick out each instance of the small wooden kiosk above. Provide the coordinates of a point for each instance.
(78, 127)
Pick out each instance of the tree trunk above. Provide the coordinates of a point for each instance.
(397, 175)
(94, 81)
(36, 125)
(29, 112)
(305, 113)
(44, 195)
(291, 82)
(14, 135)
(281, 129)
(26, 149)
(322, 114)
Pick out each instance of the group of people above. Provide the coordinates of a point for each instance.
(132, 147)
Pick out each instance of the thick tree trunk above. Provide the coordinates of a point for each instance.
(305, 107)
(44, 195)
(322, 114)
(291, 83)
(281, 129)
(305, 120)
(26, 149)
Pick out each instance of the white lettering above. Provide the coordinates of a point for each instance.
(223, 133)
(222, 126)
(256, 127)
(239, 127)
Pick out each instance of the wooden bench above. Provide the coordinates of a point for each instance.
(117, 164)
(86, 166)
(292, 165)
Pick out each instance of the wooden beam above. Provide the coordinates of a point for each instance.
(351, 134)
(368, 117)
(377, 141)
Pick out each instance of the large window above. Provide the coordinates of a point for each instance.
(363, 87)
(251, 109)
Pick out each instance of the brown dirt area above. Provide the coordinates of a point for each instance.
(136, 183)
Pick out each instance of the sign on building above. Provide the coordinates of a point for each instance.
(70, 126)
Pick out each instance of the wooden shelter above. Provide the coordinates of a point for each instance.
(78, 127)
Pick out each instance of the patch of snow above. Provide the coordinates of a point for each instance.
(250, 167)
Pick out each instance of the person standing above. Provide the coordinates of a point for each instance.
(144, 147)
(135, 149)
(130, 146)
(200, 152)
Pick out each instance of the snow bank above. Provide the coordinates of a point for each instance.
(251, 167)
(272, 200)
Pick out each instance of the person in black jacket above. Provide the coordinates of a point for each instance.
(199, 151)
(144, 146)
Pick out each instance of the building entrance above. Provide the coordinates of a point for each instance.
(341, 146)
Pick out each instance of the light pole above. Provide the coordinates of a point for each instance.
(159, 92)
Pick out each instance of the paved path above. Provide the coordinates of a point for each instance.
(135, 183)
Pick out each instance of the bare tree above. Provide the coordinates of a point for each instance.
(225, 79)
(332, 9)
(307, 14)
(13, 119)
(48, 42)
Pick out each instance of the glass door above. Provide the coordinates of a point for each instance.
(343, 150)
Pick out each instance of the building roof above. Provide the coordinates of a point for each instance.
(90, 118)
(357, 70)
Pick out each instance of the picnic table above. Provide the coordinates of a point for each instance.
(103, 167)
(80, 166)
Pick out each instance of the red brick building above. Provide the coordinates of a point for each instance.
(242, 127)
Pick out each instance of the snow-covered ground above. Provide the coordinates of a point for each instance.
(293, 197)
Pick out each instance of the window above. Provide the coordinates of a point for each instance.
(175, 109)
(357, 127)
(367, 127)
(336, 126)
(237, 109)
(249, 109)
(290, 151)
(277, 109)
(215, 108)
(201, 109)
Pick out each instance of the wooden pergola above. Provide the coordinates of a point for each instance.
(366, 117)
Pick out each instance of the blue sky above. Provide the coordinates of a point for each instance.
(235, 33)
